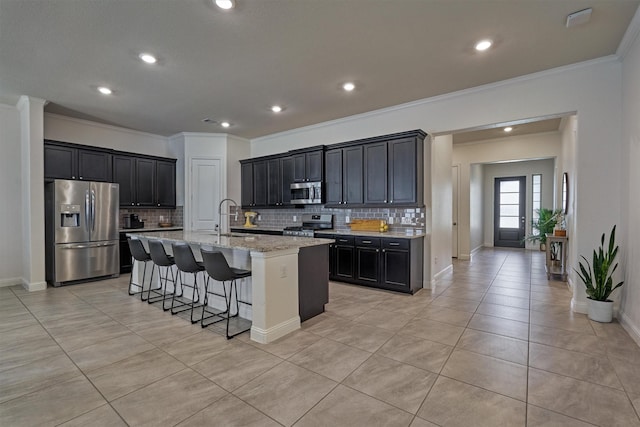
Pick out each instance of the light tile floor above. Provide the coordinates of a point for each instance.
(495, 344)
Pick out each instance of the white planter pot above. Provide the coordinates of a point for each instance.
(600, 311)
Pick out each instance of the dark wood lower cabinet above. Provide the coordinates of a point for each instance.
(389, 263)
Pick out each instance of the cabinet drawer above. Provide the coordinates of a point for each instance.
(373, 242)
(344, 240)
(395, 243)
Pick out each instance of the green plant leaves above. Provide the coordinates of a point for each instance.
(598, 276)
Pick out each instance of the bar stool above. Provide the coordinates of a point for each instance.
(161, 259)
(138, 254)
(217, 268)
(186, 263)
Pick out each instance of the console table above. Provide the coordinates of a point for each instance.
(556, 267)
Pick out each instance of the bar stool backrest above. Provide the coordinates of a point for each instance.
(185, 261)
(216, 266)
(137, 250)
(159, 255)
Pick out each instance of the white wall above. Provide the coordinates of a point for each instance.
(569, 137)
(536, 146)
(527, 168)
(476, 212)
(11, 214)
(592, 89)
(32, 180)
(441, 203)
(628, 234)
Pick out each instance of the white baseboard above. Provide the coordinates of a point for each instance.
(269, 335)
(10, 282)
(477, 248)
(578, 307)
(464, 257)
(35, 286)
(442, 272)
(627, 324)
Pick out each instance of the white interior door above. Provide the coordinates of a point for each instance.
(205, 193)
(454, 211)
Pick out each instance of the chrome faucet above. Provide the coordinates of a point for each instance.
(228, 214)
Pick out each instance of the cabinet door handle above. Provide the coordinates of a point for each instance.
(394, 244)
(158, 204)
(73, 177)
(377, 250)
(384, 250)
(390, 201)
(366, 241)
(385, 201)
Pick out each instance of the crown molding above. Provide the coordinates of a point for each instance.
(630, 36)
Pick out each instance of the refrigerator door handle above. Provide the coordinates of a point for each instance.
(95, 245)
(93, 210)
(87, 211)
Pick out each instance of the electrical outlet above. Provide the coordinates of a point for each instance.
(259, 217)
(347, 220)
(283, 271)
(295, 218)
(390, 220)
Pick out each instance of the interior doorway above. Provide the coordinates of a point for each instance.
(509, 212)
(205, 193)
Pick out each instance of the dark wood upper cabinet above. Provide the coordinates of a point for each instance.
(308, 166)
(60, 162)
(246, 183)
(75, 162)
(286, 175)
(402, 171)
(343, 176)
(352, 178)
(165, 184)
(147, 181)
(274, 182)
(124, 174)
(94, 165)
(333, 177)
(375, 173)
(145, 178)
(260, 183)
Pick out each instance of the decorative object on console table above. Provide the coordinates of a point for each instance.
(598, 279)
(542, 226)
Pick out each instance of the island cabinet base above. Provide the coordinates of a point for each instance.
(313, 280)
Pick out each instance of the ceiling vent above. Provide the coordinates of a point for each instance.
(578, 18)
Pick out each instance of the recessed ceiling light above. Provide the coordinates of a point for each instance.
(148, 58)
(225, 4)
(225, 124)
(508, 129)
(348, 86)
(276, 108)
(105, 90)
(483, 45)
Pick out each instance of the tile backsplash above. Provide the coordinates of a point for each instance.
(399, 219)
(151, 217)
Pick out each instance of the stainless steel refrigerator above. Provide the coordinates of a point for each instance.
(81, 227)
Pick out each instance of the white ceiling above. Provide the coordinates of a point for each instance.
(234, 65)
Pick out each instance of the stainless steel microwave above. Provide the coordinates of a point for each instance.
(306, 193)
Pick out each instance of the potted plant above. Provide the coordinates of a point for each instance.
(598, 279)
(543, 225)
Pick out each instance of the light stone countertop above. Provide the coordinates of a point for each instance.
(386, 234)
(248, 242)
(142, 230)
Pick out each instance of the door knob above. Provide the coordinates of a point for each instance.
(455, 223)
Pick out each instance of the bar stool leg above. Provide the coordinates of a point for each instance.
(144, 273)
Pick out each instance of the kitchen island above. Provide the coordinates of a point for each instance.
(289, 277)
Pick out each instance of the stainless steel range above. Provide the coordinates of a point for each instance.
(310, 224)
